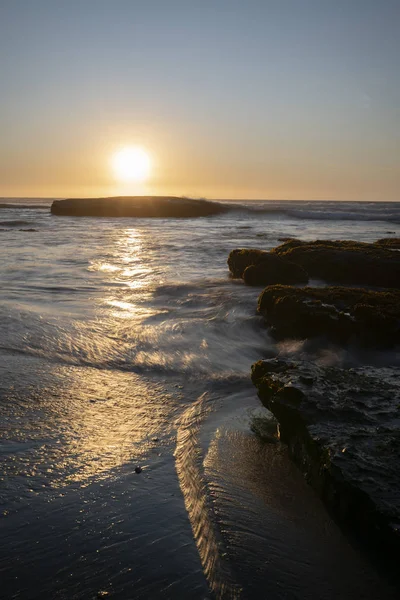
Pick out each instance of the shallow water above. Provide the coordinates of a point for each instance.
(124, 342)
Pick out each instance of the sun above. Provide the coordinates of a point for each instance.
(131, 163)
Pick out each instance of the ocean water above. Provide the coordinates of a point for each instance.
(124, 343)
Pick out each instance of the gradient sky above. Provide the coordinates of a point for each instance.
(232, 98)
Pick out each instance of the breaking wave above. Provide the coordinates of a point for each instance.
(17, 223)
(388, 212)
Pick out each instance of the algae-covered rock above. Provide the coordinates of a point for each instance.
(137, 206)
(342, 429)
(342, 314)
(344, 261)
(393, 243)
(339, 261)
(241, 258)
(257, 267)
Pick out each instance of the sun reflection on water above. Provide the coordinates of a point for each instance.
(119, 412)
(96, 413)
(82, 423)
(111, 420)
(128, 267)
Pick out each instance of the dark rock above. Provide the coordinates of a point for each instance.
(138, 469)
(266, 429)
(344, 261)
(342, 314)
(241, 258)
(393, 243)
(344, 434)
(137, 206)
(270, 271)
(263, 268)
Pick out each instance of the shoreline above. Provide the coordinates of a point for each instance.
(261, 514)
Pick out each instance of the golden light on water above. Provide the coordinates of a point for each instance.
(110, 419)
(131, 163)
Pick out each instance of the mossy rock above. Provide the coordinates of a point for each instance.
(393, 243)
(345, 261)
(257, 267)
(339, 313)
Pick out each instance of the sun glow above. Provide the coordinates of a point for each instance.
(131, 164)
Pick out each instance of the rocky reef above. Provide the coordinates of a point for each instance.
(342, 262)
(342, 314)
(393, 243)
(137, 206)
(342, 429)
(257, 267)
(341, 425)
(345, 262)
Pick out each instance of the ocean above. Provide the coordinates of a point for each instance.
(125, 344)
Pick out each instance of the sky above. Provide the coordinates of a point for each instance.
(274, 99)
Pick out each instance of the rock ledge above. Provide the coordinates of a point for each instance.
(342, 428)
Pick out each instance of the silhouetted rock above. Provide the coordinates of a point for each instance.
(344, 261)
(342, 314)
(137, 206)
(264, 268)
(342, 429)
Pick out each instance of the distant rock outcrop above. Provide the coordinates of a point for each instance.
(137, 206)
(339, 313)
(342, 430)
